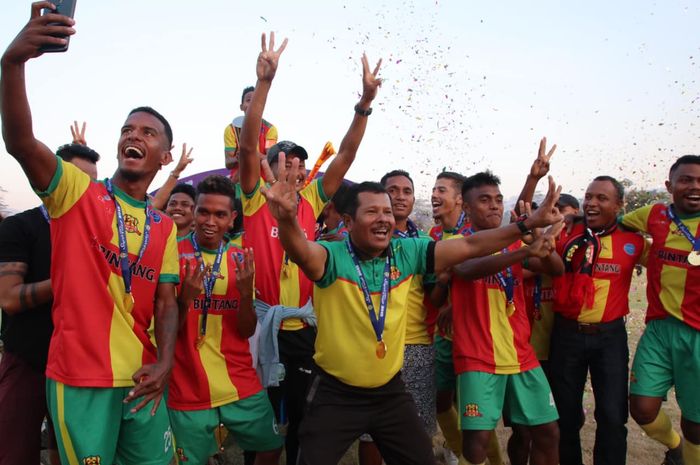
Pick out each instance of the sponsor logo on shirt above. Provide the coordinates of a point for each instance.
(629, 249)
(607, 268)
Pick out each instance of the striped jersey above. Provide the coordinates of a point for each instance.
(96, 342)
(485, 337)
(279, 280)
(346, 341)
(418, 323)
(619, 252)
(542, 319)
(670, 278)
(220, 371)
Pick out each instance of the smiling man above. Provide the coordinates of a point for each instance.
(668, 353)
(589, 333)
(360, 299)
(180, 208)
(213, 380)
(100, 354)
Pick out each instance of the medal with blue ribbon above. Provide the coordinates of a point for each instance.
(377, 320)
(45, 213)
(505, 279)
(411, 231)
(537, 297)
(124, 248)
(209, 282)
(458, 228)
(694, 255)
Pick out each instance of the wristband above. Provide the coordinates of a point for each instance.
(175, 175)
(362, 112)
(523, 229)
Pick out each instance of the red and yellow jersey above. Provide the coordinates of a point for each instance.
(485, 337)
(418, 321)
(279, 280)
(266, 139)
(96, 342)
(221, 370)
(670, 288)
(542, 319)
(619, 252)
(346, 341)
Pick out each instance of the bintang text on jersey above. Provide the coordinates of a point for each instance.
(137, 269)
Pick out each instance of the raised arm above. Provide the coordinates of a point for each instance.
(538, 170)
(36, 159)
(282, 201)
(351, 142)
(160, 200)
(249, 157)
(450, 253)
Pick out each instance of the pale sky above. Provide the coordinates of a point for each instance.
(469, 85)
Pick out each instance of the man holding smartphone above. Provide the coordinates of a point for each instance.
(102, 368)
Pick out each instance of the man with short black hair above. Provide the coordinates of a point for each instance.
(180, 208)
(568, 204)
(214, 381)
(100, 353)
(25, 299)
(358, 357)
(668, 354)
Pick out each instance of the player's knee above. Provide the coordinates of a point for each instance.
(474, 445)
(545, 435)
(642, 411)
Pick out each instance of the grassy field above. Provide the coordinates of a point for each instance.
(640, 449)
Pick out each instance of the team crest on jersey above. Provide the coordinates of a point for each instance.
(472, 411)
(394, 273)
(131, 224)
(92, 460)
(181, 457)
(629, 249)
(155, 216)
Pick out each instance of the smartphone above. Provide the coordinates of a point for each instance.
(65, 8)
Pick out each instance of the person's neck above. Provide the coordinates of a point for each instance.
(363, 254)
(401, 224)
(477, 228)
(683, 213)
(135, 189)
(182, 232)
(450, 220)
(606, 227)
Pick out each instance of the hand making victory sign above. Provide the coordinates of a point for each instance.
(540, 167)
(370, 82)
(78, 133)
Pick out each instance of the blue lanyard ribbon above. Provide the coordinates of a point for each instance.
(121, 232)
(506, 281)
(411, 231)
(683, 229)
(458, 227)
(377, 320)
(45, 213)
(537, 293)
(209, 280)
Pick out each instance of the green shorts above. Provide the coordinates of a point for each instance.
(251, 421)
(94, 426)
(481, 398)
(445, 378)
(668, 354)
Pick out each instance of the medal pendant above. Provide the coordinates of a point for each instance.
(128, 302)
(381, 350)
(220, 432)
(510, 308)
(694, 258)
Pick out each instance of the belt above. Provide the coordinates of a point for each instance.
(587, 328)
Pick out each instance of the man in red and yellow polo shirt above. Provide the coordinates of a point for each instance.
(279, 281)
(668, 353)
(496, 366)
(589, 333)
(113, 274)
(213, 379)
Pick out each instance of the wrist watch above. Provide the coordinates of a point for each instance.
(362, 112)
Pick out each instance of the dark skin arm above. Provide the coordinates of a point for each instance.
(245, 281)
(249, 157)
(538, 170)
(160, 200)
(16, 295)
(336, 171)
(192, 287)
(152, 379)
(441, 290)
(36, 159)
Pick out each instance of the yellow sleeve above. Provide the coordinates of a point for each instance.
(170, 267)
(271, 137)
(638, 219)
(253, 201)
(642, 260)
(67, 186)
(230, 142)
(313, 193)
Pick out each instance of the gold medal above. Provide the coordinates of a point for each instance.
(128, 302)
(510, 308)
(694, 258)
(381, 349)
